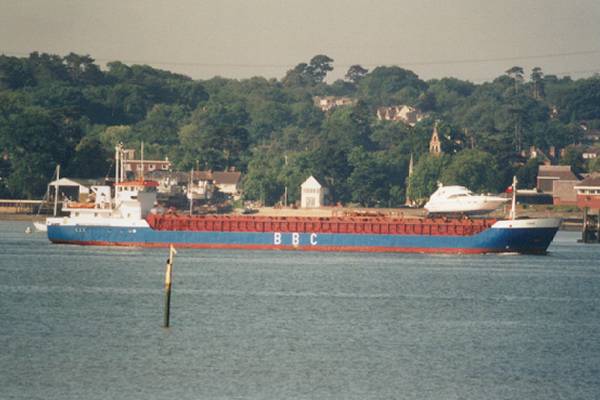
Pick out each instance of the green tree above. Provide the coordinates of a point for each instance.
(160, 126)
(390, 86)
(47, 68)
(82, 69)
(15, 73)
(349, 127)
(593, 165)
(368, 179)
(427, 173)
(35, 141)
(573, 157)
(527, 174)
(356, 73)
(309, 74)
(537, 83)
(216, 136)
(261, 182)
(293, 173)
(475, 169)
(318, 67)
(516, 73)
(91, 159)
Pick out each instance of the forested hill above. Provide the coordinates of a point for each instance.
(68, 111)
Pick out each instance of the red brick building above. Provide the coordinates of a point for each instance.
(588, 192)
(133, 167)
(563, 193)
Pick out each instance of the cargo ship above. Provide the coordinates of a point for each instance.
(129, 217)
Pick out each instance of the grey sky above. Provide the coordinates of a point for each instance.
(241, 39)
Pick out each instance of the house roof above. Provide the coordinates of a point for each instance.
(564, 189)
(203, 175)
(311, 182)
(592, 150)
(562, 172)
(147, 161)
(73, 182)
(158, 174)
(226, 177)
(181, 176)
(591, 181)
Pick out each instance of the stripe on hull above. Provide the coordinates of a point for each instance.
(359, 249)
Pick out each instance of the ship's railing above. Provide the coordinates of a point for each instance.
(74, 204)
(360, 225)
(79, 205)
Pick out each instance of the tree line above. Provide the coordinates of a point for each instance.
(67, 110)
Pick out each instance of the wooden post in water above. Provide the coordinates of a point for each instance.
(598, 227)
(168, 279)
(584, 227)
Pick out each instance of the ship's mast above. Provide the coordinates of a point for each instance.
(117, 164)
(56, 185)
(142, 160)
(285, 193)
(513, 209)
(408, 201)
(190, 193)
(122, 166)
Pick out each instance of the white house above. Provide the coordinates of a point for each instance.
(203, 186)
(228, 182)
(407, 114)
(312, 193)
(327, 103)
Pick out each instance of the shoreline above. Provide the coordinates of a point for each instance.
(21, 217)
(572, 221)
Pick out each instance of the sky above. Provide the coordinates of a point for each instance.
(475, 40)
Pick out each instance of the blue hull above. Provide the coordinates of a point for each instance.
(492, 240)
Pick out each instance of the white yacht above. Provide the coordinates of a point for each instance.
(460, 200)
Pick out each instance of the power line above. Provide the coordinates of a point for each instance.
(513, 58)
(405, 63)
(581, 71)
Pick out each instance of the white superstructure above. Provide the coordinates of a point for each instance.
(460, 200)
(128, 206)
(133, 200)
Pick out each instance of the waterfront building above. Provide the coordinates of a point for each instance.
(312, 193)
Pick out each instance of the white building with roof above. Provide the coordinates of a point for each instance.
(312, 193)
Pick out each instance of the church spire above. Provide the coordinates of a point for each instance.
(435, 146)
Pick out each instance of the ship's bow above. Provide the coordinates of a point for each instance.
(527, 236)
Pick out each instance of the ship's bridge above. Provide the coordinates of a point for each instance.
(135, 198)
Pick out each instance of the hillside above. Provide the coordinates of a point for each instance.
(67, 110)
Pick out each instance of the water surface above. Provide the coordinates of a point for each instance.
(85, 323)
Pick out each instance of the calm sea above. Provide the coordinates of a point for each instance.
(85, 323)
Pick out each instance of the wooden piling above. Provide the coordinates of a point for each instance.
(598, 227)
(584, 227)
(168, 280)
(590, 232)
